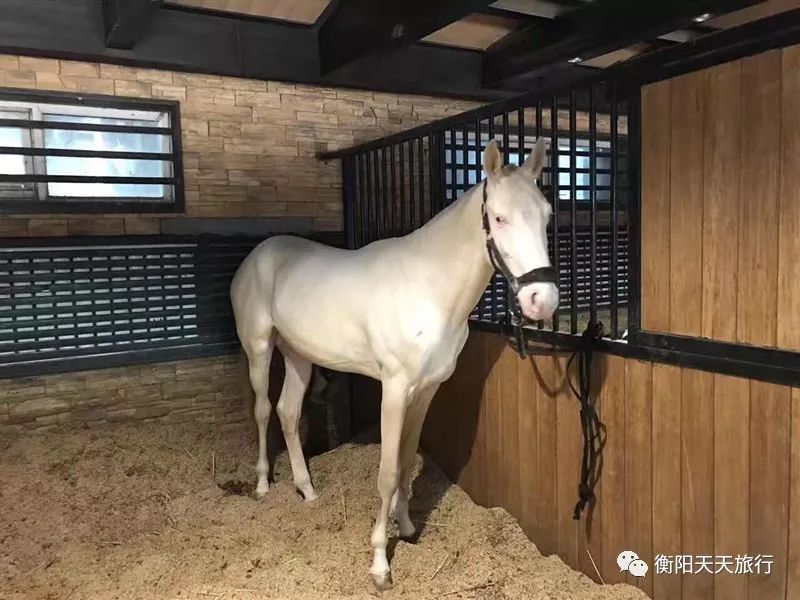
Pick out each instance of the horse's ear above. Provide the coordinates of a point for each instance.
(535, 162)
(492, 159)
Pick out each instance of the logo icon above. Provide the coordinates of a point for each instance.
(629, 561)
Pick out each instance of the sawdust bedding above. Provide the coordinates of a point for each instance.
(164, 512)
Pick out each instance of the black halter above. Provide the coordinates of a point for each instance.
(540, 275)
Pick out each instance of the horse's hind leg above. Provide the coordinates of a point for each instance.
(290, 405)
(259, 357)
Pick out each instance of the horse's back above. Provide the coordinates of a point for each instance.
(260, 266)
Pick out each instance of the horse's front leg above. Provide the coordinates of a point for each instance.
(415, 418)
(393, 412)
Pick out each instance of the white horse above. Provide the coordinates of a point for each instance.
(395, 310)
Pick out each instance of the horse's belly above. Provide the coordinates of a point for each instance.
(334, 343)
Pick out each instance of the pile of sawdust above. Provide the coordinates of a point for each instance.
(138, 511)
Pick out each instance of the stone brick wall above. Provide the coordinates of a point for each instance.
(248, 146)
(207, 389)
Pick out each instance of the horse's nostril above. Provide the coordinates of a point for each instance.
(533, 298)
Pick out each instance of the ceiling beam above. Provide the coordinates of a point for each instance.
(521, 18)
(536, 8)
(723, 45)
(181, 39)
(125, 21)
(359, 28)
(596, 29)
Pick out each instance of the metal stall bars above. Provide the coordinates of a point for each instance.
(396, 184)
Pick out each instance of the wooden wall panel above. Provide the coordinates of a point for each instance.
(666, 446)
(547, 373)
(612, 481)
(789, 205)
(769, 485)
(467, 405)
(697, 477)
(758, 189)
(655, 309)
(493, 404)
(528, 447)
(720, 218)
(568, 457)
(694, 464)
(686, 204)
(510, 409)
(793, 566)
(720, 202)
(731, 479)
(590, 529)
(638, 465)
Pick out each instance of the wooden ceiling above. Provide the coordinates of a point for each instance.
(476, 32)
(753, 13)
(297, 11)
(480, 31)
(483, 49)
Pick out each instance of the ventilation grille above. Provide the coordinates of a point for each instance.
(69, 303)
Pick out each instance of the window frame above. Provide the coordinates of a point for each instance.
(9, 190)
(174, 199)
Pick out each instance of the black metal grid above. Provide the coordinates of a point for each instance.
(395, 187)
(74, 303)
(23, 204)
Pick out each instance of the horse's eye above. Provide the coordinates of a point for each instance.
(500, 219)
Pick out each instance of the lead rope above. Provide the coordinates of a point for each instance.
(593, 429)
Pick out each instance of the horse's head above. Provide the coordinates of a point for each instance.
(518, 214)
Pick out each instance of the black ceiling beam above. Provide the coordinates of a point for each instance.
(182, 39)
(359, 28)
(125, 21)
(504, 13)
(596, 29)
(725, 45)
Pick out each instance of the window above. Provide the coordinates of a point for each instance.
(68, 153)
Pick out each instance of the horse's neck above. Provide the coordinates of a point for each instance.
(453, 245)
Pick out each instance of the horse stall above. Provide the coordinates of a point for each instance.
(677, 227)
(638, 164)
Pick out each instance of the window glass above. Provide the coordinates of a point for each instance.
(72, 154)
(104, 167)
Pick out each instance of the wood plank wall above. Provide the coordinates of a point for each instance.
(695, 463)
(721, 202)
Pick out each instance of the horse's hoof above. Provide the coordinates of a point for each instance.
(383, 581)
(409, 538)
(259, 493)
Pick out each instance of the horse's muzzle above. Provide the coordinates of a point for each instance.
(538, 301)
